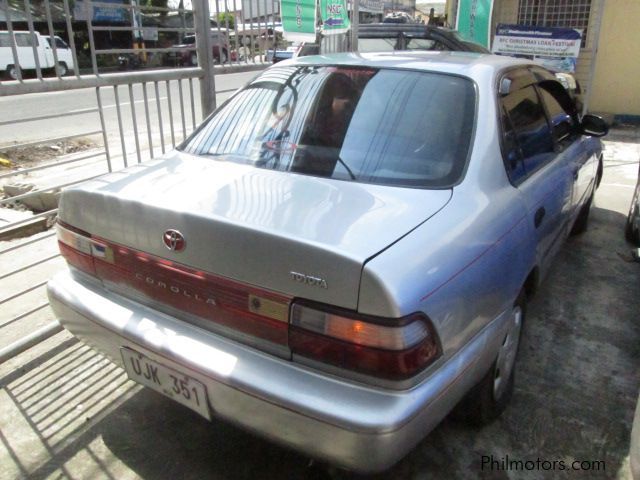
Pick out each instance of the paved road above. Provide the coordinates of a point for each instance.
(26, 106)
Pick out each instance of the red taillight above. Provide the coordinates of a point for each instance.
(78, 248)
(391, 349)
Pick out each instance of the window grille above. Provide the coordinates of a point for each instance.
(556, 13)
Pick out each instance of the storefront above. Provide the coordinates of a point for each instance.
(606, 66)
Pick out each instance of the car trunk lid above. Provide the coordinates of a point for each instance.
(253, 238)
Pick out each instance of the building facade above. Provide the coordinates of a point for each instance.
(608, 67)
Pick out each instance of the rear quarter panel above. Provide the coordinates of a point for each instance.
(465, 265)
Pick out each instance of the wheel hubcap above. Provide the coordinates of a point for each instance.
(507, 354)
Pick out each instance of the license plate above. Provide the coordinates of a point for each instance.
(174, 384)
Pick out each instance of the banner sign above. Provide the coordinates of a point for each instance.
(554, 47)
(299, 20)
(474, 20)
(84, 10)
(335, 18)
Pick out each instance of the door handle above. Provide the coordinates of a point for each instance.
(539, 216)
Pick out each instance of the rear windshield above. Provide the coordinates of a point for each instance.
(388, 127)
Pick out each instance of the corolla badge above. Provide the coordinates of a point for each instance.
(173, 240)
(309, 279)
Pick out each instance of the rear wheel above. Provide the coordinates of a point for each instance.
(12, 72)
(489, 398)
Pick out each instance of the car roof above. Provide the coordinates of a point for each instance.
(460, 63)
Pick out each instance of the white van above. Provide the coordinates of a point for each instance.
(24, 45)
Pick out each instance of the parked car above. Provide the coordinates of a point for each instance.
(341, 253)
(385, 37)
(25, 43)
(398, 17)
(632, 229)
(295, 50)
(187, 56)
(376, 37)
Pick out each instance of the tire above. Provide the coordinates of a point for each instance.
(490, 397)
(62, 69)
(632, 228)
(12, 72)
(582, 222)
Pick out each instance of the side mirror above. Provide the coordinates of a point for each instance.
(594, 125)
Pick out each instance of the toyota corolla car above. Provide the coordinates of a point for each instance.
(341, 253)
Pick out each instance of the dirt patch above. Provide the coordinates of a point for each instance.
(26, 157)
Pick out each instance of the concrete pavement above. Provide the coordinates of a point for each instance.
(66, 412)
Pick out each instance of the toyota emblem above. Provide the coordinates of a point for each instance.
(173, 240)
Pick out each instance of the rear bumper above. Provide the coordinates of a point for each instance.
(354, 426)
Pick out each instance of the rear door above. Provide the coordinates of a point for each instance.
(536, 168)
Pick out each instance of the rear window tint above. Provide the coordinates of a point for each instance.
(389, 127)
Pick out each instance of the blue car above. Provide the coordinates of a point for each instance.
(342, 253)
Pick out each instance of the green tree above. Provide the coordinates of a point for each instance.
(225, 18)
(156, 3)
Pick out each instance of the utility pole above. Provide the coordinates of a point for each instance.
(355, 25)
(205, 56)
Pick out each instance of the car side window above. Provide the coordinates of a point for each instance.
(60, 44)
(524, 119)
(25, 40)
(563, 126)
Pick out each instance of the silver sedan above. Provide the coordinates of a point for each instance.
(342, 253)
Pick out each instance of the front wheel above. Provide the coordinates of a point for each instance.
(489, 398)
(61, 69)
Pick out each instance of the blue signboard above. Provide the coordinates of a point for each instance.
(84, 10)
(108, 14)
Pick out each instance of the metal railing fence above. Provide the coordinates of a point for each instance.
(240, 33)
